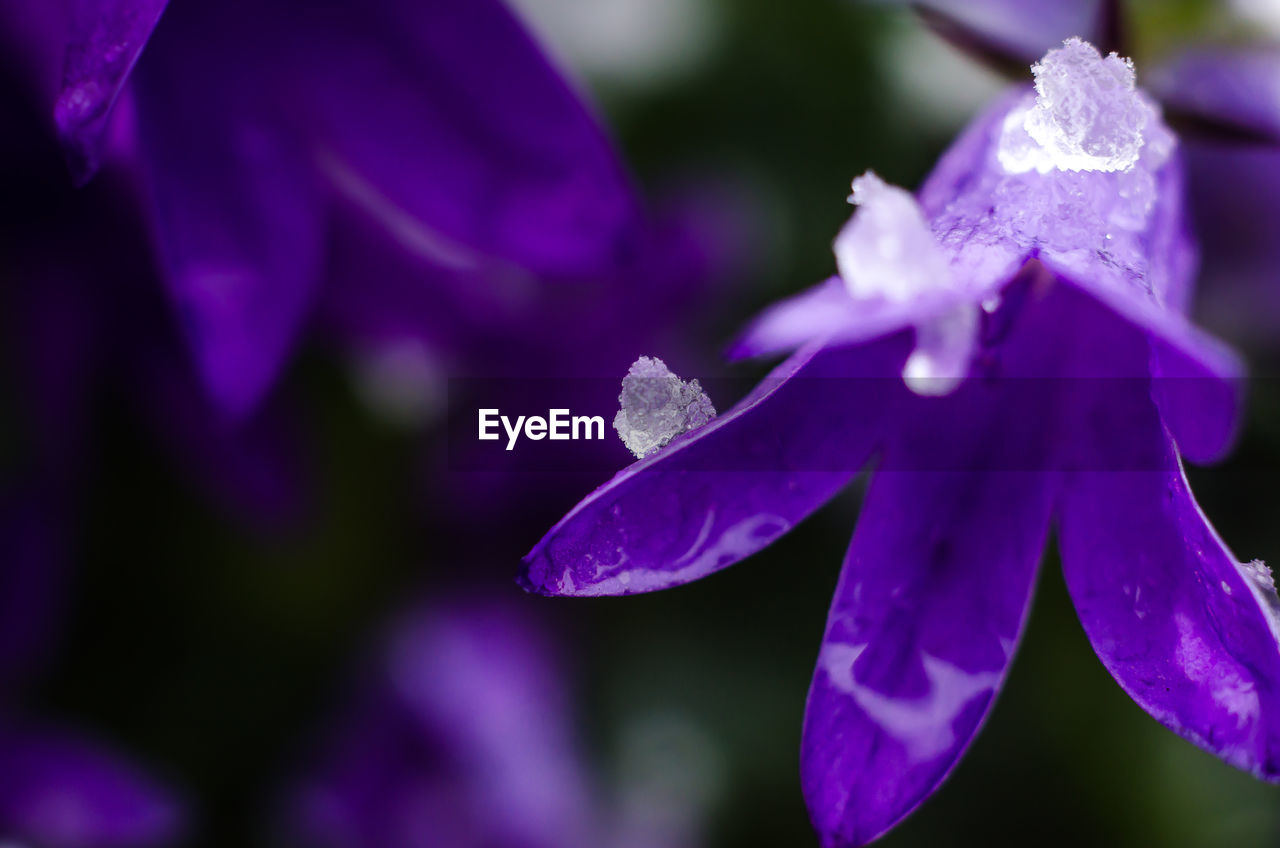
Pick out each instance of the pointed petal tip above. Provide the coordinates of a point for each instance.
(1146, 568)
(739, 351)
(234, 393)
(526, 579)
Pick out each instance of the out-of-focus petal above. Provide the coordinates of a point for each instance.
(106, 38)
(728, 489)
(61, 791)
(479, 676)
(1186, 630)
(827, 311)
(445, 119)
(462, 737)
(1235, 193)
(1227, 94)
(1197, 380)
(925, 621)
(236, 219)
(1007, 33)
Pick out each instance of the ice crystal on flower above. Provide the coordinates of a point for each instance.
(887, 249)
(1088, 114)
(1095, 198)
(1074, 174)
(1260, 574)
(657, 406)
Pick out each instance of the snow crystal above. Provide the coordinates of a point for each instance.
(1087, 116)
(887, 249)
(657, 406)
(1260, 574)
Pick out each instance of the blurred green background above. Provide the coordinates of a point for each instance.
(212, 650)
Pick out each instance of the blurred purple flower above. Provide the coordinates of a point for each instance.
(81, 329)
(1011, 343)
(59, 790)
(441, 122)
(460, 735)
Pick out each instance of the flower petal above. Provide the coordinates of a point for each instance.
(1198, 381)
(107, 36)
(827, 311)
(730, 488)
(446, 118)
(1199, 384)
(236, 217)
(61, 791)
(1011, 34)
(1186, 630)
(925, 621)
(978, 266)
(1232, 95)
(1240, 296)
(460, 733)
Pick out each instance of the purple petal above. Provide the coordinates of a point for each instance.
(827, 311)
(1238, 190)
(1230, 94)
(730, 488)
(957, 198)
(480, 675)
(964, 161)
(445, 119)
(1007, 32)
(107, 36)
(236, 219)
(59, 791)
(1198, 381)
(1199, 384)
(1186, 630)
(925, 621)
(463, 737)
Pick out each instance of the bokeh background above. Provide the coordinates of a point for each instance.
(215, 648)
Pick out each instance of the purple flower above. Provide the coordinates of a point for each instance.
(248, 123)
(1011, 345)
